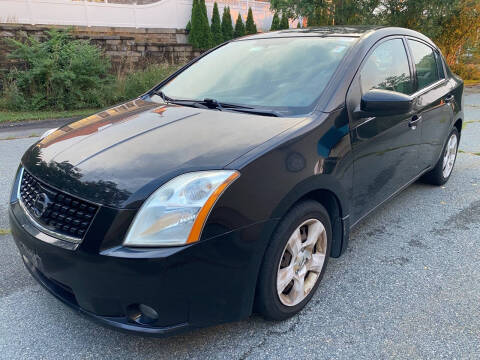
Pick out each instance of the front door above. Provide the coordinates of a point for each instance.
(385, 148)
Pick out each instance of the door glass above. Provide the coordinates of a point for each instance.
(424, 59)
(441, 72)
(387, 68)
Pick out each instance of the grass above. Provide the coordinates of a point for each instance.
(15, 116)
(469, 152)
(127, 85)
(471, 82)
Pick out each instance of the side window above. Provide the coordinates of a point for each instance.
(387, 68)
(441, 71)
(425, 64)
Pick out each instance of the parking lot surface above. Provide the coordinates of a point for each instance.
(407, 287)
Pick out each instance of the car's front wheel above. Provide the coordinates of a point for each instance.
(440, 174)
(295, 261)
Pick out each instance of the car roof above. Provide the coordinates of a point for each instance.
(355, 31)
(359, 31)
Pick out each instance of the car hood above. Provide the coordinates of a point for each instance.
(120, 156)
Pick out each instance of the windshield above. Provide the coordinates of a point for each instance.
(284, 74)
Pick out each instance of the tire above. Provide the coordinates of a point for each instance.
(438, 175)
(306, 215)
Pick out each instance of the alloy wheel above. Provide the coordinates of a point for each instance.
(450, 155)
(302, 262)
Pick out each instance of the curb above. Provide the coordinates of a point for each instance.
(38, 123)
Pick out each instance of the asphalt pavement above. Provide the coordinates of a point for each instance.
(408, 286)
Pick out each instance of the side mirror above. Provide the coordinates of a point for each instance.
(378, 102)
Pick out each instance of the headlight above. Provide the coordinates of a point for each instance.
(176, 212)
(48, 132)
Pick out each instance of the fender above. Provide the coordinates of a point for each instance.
(311, 184)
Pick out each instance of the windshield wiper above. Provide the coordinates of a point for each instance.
(164, 97)
(208, 103)
(212, 103)
(168, 100)
(215, 104)
(262, 112)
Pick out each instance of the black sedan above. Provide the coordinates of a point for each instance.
(225, 189)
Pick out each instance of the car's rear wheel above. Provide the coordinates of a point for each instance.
(295, 261)
(440, 174)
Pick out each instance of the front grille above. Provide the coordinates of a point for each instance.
(58, 212)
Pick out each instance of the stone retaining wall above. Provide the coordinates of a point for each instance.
(124, 45)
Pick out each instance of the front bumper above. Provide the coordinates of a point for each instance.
(209, 282)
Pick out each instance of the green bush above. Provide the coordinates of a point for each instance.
(275, 22)
(200, 35)
(216, 26)
(227, 24)
(250, 27)
(239, 27)
(284, 24)
(67, 74)
(192, 35)
(60, 73)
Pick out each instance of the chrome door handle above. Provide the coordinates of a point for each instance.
(414, 122)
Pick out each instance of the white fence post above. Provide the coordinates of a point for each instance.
(85, 5)
(30, 12)
(135, 14)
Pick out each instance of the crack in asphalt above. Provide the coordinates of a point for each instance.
(460, 220)
(271, 332)
(465, 217)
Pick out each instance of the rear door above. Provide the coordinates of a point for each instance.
(384, 147)
(433, 100)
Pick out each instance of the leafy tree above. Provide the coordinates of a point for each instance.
(250, 27)
(189, 26)
(239, 27)
(275, 22)
(284, 22)
(320, 16)
(454, 25)
(451, 24)
(460, 31)
(227, 24)
(353, 12)
(330, 12)
(216, 26)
